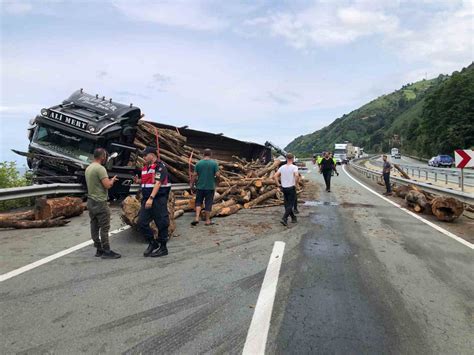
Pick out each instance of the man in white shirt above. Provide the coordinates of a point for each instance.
(288, 174)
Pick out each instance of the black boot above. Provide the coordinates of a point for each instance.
(152, 246)
(294, 219)
(161, 251)
(110, 254)
(99, 252)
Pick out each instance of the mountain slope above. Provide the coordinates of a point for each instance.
(425, 118)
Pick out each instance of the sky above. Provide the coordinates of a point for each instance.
(253, 70)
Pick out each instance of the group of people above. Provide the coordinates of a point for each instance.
(155, 188)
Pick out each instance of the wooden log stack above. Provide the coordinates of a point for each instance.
(46, 213)
(241, 183)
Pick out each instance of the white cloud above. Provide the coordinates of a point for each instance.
(445, 40)
(186, 14)
(326, 25)
(13, 7)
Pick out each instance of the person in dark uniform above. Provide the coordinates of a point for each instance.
(327, 167)
(155, 191)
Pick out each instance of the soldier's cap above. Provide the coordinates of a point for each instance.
(149, 150)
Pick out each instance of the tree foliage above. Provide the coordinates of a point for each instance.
(431, 116)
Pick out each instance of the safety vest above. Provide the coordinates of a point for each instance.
(148, 175)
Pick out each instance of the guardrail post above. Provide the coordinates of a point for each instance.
(419, 173)
(446, 176)
(462, 180)
(413, 172)
(436, 177)
(426, 172)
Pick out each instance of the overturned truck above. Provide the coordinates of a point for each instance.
(63, 138)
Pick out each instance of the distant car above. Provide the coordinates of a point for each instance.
(397, 156)
(441, 160)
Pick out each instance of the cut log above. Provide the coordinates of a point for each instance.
(447, 209)
(178, 213)
(25, 224)
(269, 168)
(401, 191)
(17, 216)
(216, 208)
(131, 208)
(261, 198)
(416, 200)
(400, 170)
(227, 211)
(58, 207)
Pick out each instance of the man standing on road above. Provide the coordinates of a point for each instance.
(206, 172)
(326, 168)
(289, 179)
(155, 191)
(98, 182)
(386, 175)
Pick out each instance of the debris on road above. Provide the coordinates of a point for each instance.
(46, 213)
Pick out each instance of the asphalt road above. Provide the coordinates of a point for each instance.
(358, 276)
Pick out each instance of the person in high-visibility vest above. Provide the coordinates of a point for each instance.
(155, 191)
(319, 159)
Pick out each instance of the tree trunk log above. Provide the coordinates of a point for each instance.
(416, 200)
(24, 224)
(447, 209)
(58, 207)
(261, 198)
(16, 216)
(227, 211)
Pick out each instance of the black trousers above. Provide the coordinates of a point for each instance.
(289, 194)
(327, 178)
(157, 213)
(386, 179)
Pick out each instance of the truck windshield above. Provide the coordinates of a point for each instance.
(65, 143)
(340, 151)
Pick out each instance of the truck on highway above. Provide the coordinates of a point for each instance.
(395, 153)
(340, 153)
(63, 139)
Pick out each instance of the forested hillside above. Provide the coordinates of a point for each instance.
(424, 118)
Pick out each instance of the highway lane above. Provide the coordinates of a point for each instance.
(358, 276)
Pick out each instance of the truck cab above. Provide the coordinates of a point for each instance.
(63, 138)
(340, 153)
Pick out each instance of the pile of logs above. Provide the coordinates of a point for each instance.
(241, 184)
(445, 209)
(180, 158)
(46, 213)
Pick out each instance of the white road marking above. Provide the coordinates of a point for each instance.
(260, 325)
(431, 224)
(46, 260)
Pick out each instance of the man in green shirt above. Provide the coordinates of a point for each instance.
(98, 182)
(206, 171)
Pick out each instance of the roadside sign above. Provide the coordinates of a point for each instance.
(464, 158)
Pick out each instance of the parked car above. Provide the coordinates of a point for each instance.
(441, 160)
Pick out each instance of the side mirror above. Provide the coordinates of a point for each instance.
(109, 162)
(112, 156)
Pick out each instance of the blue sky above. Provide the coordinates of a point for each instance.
(253, 70)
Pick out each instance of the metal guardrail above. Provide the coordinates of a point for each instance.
(424, 171)
(461, 196)
(14, 193)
